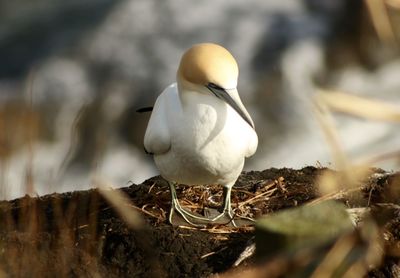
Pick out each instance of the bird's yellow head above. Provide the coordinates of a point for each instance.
(207, 63)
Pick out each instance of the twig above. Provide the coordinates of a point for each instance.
(212, 253)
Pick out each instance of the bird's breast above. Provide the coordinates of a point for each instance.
(206, 122)
(208, 140)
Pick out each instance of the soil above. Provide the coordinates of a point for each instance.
(79, 234)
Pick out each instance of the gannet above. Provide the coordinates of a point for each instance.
(199, 131)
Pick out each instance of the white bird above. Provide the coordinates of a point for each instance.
(199, 131)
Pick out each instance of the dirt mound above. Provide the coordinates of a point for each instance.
(80, 234)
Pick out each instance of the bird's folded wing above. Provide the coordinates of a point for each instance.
(253, 143)
(157, 138)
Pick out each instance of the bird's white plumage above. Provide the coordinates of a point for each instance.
(157, 139)
(197, 138)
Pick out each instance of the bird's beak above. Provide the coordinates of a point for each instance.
(222, 94)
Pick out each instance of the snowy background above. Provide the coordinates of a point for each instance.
(72, 74)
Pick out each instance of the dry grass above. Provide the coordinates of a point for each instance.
(121, 203)
(355, 106)
(381, 19)
(328, 102)
(351, 176)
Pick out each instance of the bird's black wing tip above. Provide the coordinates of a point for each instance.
(147, 152)
(144, 109)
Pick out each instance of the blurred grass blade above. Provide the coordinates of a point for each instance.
(335, 258)
(393, 3)
(121, 203)
(327, 124)
(381, 21)
(368, 160)
(358, 106)
(331, 184)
